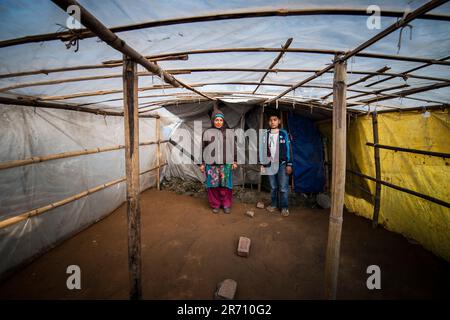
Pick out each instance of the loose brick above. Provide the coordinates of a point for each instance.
(226, 290)
(260, 205)
(243, 247)
(250, 213)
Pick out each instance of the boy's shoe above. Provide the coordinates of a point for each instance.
(270, 209)
(285, 212)
(215, 210)
(227, 210)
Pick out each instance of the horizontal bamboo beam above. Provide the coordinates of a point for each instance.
(160, 87)
(393, 186)
(110, 38)
(298, 50)
(379, 91)
(406, 73)
(397, 25)
(406, 93)
(408, 150)
(51, 105)
(106, 92)
(363, 79)
(84, 33)
(442, 107)
(194, 70)
(84, 67)
(77, 79)
(62, 155)
(35, 212)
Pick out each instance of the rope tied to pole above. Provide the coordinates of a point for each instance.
(71, 40)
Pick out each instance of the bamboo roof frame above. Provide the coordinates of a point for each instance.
(85, 33)
(420, 13)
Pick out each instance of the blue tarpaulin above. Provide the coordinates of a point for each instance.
(307, 151)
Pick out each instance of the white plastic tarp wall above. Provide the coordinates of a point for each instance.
(29, 132)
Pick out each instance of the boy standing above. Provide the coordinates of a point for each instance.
(278, 149)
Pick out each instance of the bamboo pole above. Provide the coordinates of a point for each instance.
(391, 75)
(376, 154)
(86, 67)
(85, 33)
(338, 179)
(158, 152)
(161, 87)
(408, 150)
(93, 24)
(16, 219)
(274, 63)
(77, 79)
(401, 189)
(62, 155)
(131, 125)
(406, 73)
(395, 26)
(35, 212)
(408, 92)
(106, 92)
(261, 126)
(50, 105)
(327, 171)
(363, 79)
(300, 50)
(379, 91)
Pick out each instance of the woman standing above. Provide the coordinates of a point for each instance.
(219, 175)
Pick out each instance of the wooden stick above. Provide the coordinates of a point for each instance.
(85, 67)
(299, 50)
(261, 126)
(93, 24)
(84, 33)
(408, 150)
(105, 92)
(23, 101)
(404, 21)
(406, 93)
(35, 212)
(78, 79)
(401, 189)
(62, 155)
(338, 179)
(274, 63)
(363, 79)
(406, 73)
(325, 156)
(131, 125)
(158, 152)
(376, 154)
(377, 92)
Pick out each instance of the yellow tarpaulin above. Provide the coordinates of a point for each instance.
(415, 218)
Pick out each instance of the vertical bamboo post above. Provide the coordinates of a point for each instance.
(376, 208)
(131, 128)
(261, 126)
(158, 153)
(338, 179)
(326, 166)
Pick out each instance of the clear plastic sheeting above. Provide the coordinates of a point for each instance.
(426, 39)
(28, 132)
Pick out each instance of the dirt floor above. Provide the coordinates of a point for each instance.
(187, 250)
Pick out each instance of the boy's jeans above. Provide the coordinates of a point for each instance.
(279, 183)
